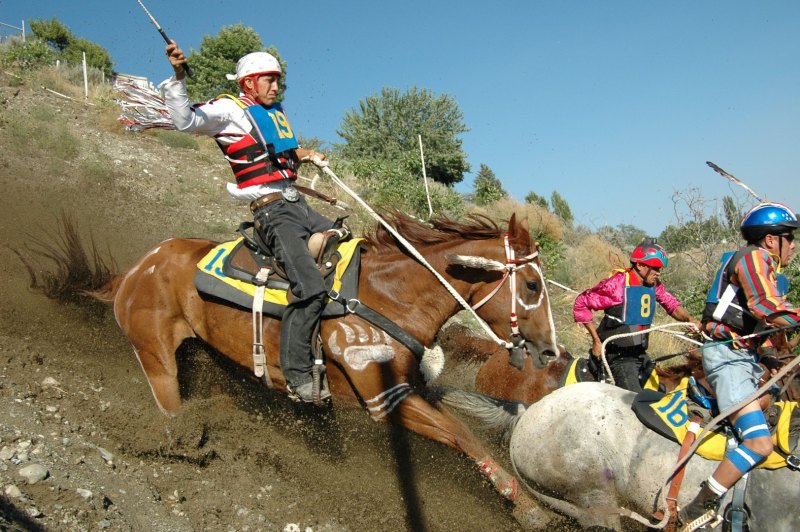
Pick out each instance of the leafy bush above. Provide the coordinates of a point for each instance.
(33, 53)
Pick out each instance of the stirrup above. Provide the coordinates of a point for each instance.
(710, 519)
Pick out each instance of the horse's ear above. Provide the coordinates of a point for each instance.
(518, 233)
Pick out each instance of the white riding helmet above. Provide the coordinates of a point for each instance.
(255, 63)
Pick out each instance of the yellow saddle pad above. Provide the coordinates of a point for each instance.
(211, 280)
(672, 411)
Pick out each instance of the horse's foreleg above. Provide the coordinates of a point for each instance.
(420, 416)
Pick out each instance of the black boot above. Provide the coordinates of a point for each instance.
(702, 512)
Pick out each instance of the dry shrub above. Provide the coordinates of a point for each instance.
(540, 220)
(594, 259)
(662, 343)
(53, 78)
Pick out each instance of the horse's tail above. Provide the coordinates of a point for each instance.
(493, 413)
(79, 272)
(107, 292)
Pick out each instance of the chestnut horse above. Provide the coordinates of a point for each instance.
(157, 307)
(495, 376)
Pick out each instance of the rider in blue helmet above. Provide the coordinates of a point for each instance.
(745, 297)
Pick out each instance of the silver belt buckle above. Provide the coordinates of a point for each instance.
(290, 194)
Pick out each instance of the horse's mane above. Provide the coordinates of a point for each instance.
(435, 231)
(693, 362)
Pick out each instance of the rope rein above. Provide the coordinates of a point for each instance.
(511, 264)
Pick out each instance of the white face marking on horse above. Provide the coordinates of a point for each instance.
(539, 301)
(358, 357)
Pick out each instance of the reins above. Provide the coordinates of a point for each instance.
(510, 267)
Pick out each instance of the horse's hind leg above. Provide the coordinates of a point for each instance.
(156, 328)
(161, 370)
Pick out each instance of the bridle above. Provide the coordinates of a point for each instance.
(515, 344)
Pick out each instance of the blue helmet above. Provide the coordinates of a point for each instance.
(768, 219)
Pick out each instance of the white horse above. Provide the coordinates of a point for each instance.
(582, 451)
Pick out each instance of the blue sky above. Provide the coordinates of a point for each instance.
(614, 104)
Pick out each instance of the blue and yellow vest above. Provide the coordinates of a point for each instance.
(266, 154)
(634, 314)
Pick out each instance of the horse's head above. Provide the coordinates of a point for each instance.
(511, 295)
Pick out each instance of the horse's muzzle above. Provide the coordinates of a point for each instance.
(540, 357)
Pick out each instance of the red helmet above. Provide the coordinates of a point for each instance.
(650, 254)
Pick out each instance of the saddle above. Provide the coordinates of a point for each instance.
(252, 255)
(670, 415)
(588, 369)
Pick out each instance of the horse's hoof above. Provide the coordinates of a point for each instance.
(532, 516)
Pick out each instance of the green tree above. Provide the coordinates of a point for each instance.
(218, 56)
(52, 32)
(535, 199)
(732, 215)
(96, 56)
(71, 48)
(561, 207)
(488, 188)
(385, 128)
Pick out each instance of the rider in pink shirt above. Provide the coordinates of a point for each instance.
(628, 299)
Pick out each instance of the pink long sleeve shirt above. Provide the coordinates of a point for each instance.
(611, 291)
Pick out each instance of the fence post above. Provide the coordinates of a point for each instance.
(85, 78)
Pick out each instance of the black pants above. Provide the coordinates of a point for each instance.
(629, 369)
(286, 227)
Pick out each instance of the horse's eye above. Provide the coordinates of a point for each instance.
(533, 286)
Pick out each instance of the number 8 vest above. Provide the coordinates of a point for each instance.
(634, 314)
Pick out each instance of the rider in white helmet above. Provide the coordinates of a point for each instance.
(255, 136)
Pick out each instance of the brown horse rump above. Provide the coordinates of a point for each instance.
(227, 273)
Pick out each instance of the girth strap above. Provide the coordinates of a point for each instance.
(677, 479)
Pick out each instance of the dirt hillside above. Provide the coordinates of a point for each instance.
(78, 412)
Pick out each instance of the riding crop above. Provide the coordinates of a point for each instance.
(186, 66)
(733, 180)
